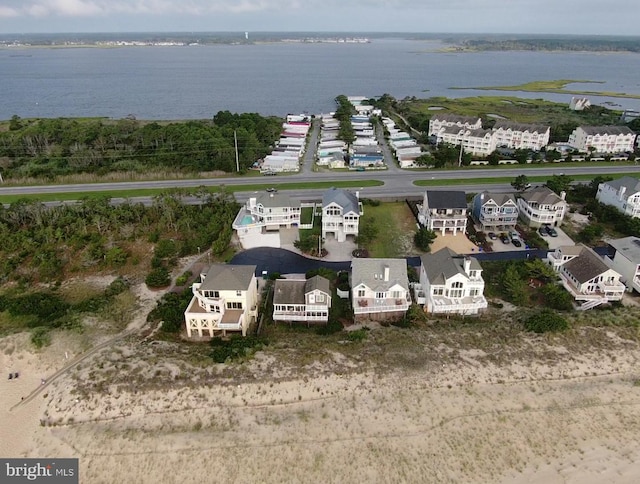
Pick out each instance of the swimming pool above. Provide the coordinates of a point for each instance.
(246, 220)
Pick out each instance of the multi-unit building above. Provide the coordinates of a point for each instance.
(225, 300)
(302, 300)
(439, 121)
(444, 211)
(341, 211)
(603, 139)
(625, 260)
(476, 141)
(623, 193)
(379, 289)
(495, 211)
(540, 206)
(450, 283)
(521, 136)
(586, 276)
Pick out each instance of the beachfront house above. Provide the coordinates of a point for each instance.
(520, 136)
(450, 283)
(540, 206)
(341, 211)
(623, 193)
(495, 211)
(586, 276)
(446, 120)
(625, 260)
(379, 289)
(479, 142)
(299, 300)
(225, 300)
(603, 139)
(444, 211)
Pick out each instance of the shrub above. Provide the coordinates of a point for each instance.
(40, 337)
(158, 277)
(546, 321)
(170, 310)
(333, 326)
(555, 297)
(423, 239)
(235, 347)
(357, 335)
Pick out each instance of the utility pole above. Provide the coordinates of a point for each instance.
(235, 141)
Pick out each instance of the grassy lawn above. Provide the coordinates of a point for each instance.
(396, 227)
(306, 215)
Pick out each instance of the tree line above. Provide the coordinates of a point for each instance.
(52, 147)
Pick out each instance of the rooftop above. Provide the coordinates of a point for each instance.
(446, 263)
(586, 266)
(371, 272)
(227, 277)
(446, 199)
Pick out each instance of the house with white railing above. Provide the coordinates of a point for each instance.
(450, 283)
(379, 289)
(302, 300)
(540, 206)
(586, 276)
(341, 212)
(479, 142)
(225, 300)
(446, 120)
(521, 136)
(444, 211)
(495, 211)
(625, 260)
(603, 139)
(623, 193)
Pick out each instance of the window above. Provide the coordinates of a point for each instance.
(319, 298)
(457, 285)
(437, 291)
(396, 294)
(379, 295)
(234, 305)
(473, 292)
(360, 292)
(239, 293)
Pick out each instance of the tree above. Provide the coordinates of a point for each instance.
(493, 158)
(521, 156)
(367, 232)
(158, 277)
(514, 286)
(537, 269)
(423, 238)
(520, 183)
(556, 297)
(545, 321)
(559, 183)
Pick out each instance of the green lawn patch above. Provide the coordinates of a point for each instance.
(396, 228)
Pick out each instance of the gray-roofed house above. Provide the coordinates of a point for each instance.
(341, 211)
(623, 193)
(379, 289)
(540, 206)
(225, 299)
(444, 211)
(603, 139)
(520, 136)
(495, 211)
(300, 300)
(446, 120)
(450, 283)
(586, 276)
(625, 260)
(477, 141)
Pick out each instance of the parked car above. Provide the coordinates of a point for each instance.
(543, 230)
(504, 238)
(552, 232)
(514, 236)
(516, 242)
(492, 235)
(269, 173)
(272, 190)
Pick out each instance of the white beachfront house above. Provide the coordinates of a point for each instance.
(586, 276)
(450, 283)
(603, 139)
(540, 206)
(479, 142)
(444, 211)
(625, 260)
(521, 136)
(379, 289)
(341, 211)
(495, 211)
(302, 300)
(225, 300)
(445, 120)
(623, 193)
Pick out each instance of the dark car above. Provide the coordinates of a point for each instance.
(543, 231)
(504, 238)
(552, 232)
(492, 235)
(272, 190)
(516, 242)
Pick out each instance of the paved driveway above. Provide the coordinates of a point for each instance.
(560, 240)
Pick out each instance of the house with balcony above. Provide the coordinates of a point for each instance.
(520, 136)
(603, 139)
(479, 142)
(624, 258)
(495, 212)
(540, 206)
(341, 212)
(302, 300)
(586, 276)
(225, 300)
(623, 193)
(450, 284)
(379, 289)
(444, 211)
(446, 120)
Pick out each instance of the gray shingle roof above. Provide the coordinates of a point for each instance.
(586, 266)
(445, 263)
(347, 200)
(317, 282)
(371, 273)
(225, 277)
(455, 118)
(275, 200)
(446, 199)
(499, 198)
(292, 291)
(594, 130)
(629, 247)
(532, 128)
(631, 184)
(542, 196)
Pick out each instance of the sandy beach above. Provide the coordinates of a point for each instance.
(133, 412)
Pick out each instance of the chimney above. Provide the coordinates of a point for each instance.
(467, 265)
(386, 273)
(357, 194)
(621, 193)
(563, 194)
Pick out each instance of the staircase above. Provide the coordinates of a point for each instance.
(592, 304)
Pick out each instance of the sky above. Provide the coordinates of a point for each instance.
(595, 17)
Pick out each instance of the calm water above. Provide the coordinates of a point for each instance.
(198, 81)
